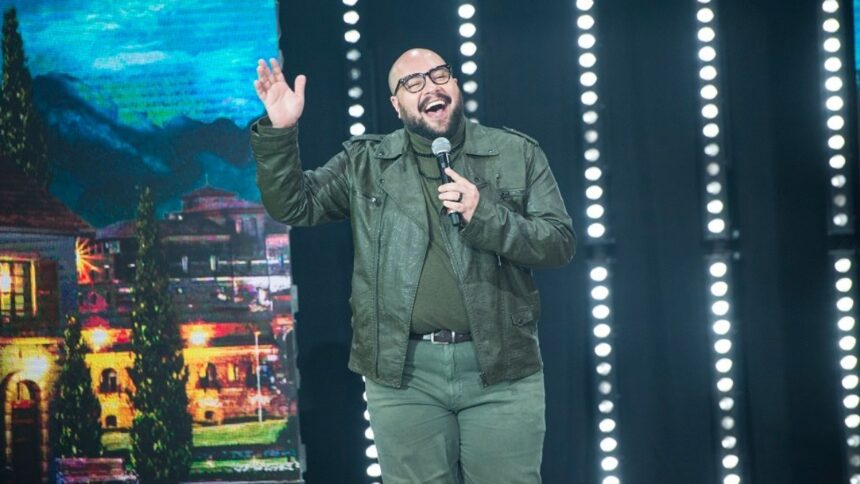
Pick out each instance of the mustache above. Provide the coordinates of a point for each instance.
(427, 100)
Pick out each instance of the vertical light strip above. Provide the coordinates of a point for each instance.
(373, 470)
(597, 231)
(598, 243)
(840, 222)
(832, 37)
(603, 340)
(718, 233)
(356, 78)
(844, 273)
(722, 322)
(357, 87)
(715, 199)
(469, 74)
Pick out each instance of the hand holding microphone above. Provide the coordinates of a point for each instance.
(458, 195)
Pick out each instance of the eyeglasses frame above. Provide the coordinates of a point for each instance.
(424, 76)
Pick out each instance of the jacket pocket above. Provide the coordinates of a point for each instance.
(523, 317)
(514, 199)
(373, 200)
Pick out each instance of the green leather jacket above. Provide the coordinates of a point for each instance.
(520, 223)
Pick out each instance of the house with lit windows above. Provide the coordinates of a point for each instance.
(38, 286)
(231, 289)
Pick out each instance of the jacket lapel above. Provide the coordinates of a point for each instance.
(400, 179)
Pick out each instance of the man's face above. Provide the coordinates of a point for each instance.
(435, 110)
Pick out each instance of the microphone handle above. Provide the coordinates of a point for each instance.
(442, 159)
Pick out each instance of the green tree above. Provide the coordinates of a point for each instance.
(77, 408)
(22, 133)
(161, 431)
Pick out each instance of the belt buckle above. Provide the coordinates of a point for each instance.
(433, 338)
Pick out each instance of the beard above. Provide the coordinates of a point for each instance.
(421, 127)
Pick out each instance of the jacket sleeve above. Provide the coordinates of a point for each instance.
(541, 237)
(289, 195)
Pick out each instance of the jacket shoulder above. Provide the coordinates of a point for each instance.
(521, 135)
(363, 141)
(366, 137)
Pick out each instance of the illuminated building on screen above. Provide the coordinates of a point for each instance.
(231, 287)
(38, 285)
(230, 283)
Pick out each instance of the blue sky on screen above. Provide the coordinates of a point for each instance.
(154, 61)
(857, 40)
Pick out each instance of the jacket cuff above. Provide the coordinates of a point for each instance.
(266, 137)
(481, 219)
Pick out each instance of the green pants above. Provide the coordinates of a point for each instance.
(444, 427)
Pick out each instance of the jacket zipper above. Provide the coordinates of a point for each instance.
(376, 280)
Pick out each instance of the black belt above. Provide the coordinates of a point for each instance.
(442, 337)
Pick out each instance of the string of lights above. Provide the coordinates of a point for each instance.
(718, 234)
(357, 115)
(469, 58)
(840, 225)
(841, 199)
(844, 274)
(357, 85)
(724, 356)
(598, 241)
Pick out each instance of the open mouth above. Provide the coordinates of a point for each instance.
(435, 108)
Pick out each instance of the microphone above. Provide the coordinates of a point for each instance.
(442, 149)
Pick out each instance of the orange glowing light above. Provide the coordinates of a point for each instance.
(35, 367)
(208, 402)
(5, 278)
(84, 261)
(99, 338)
(199, 336)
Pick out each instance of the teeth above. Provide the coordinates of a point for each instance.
(437, 102)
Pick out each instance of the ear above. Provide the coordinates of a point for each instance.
(395, 104)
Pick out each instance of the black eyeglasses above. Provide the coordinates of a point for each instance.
(415, 82)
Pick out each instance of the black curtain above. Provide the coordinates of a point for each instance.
(774, 138)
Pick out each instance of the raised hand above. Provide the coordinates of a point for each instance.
(283, 105)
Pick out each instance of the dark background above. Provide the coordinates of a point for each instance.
(774, 139)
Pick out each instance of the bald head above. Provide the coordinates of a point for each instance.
(410, 62)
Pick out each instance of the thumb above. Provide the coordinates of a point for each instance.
(301, 80)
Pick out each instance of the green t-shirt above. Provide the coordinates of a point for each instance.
(438, 302)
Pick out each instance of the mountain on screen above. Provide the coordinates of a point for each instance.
(100, 162)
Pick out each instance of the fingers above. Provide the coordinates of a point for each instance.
(264, 75)
(456, 177)
(454, 206)
(452, 195)
(268, 77)
(261, 91)
(277, 72)
(460, 195)
(301, 80)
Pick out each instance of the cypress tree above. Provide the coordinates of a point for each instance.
(22, 133)
(77, 409)
(161, 430)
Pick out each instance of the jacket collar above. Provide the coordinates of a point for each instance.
(478, 142)
(401, 180)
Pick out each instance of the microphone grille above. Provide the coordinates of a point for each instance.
(441, 145)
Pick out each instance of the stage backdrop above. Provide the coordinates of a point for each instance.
(138, 94)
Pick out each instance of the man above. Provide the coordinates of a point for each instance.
(444, 316)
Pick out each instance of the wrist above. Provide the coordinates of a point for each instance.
(283, 124)
(269, 122)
